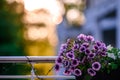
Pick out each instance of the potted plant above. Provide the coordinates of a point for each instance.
(87, 58)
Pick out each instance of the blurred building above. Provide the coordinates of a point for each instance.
(72, 23)
(102, 20)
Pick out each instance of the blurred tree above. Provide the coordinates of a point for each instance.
(10, 29)
(11, 36)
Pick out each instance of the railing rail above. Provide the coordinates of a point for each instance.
(32, 60)
(24, 59)
(29, 76)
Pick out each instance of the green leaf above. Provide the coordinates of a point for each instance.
(87, 77)
(114, 66)
(108, 71)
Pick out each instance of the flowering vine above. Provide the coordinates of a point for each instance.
(83, 55)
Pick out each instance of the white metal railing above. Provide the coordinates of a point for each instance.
(32, 60)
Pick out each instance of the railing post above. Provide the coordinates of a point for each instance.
(32, 71)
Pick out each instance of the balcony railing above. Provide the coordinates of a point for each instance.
(32, 60)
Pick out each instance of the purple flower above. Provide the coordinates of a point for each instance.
(87, 51)
(81, 37)
(61, 53)
(59, 60)
(68, 41)
(104, 48)
(98, 43)
(57, 67)
(103, 44)
(85, 44)
(103, 54)
(90, 38)
(63, 47)
(70, 55)
(96, 66)
(77, 72)
(96, 47)
(67, 72)
(66, 63)
(75, 62)
(91, 55)
(91, 72)
(72, 68)
(82, 48)
(76, 46)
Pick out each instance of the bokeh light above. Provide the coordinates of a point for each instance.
(54, 7)
(35, 33)
(75, 16)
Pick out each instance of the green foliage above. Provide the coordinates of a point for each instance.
(11, 40)
(10, 30)
(113, 59)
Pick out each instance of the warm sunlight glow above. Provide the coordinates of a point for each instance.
(72, 1)
(11, 1)
(35, 33)
(54, 7)
(48, 12)
(37, 17)
(75, 15)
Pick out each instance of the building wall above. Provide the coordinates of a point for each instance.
(102, 20)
